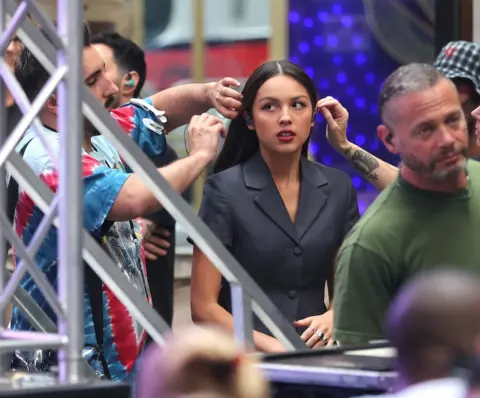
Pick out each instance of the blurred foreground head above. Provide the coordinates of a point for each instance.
(434, 321)
(199, 362)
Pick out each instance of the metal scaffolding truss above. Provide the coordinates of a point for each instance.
(59, 49)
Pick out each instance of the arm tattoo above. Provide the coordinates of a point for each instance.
(363, 162)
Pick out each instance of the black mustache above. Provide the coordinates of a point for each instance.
(109, 102)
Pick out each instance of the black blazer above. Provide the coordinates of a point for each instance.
(290, 261)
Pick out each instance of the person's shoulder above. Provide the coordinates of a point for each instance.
(379, 222)
(139, 113)
(31, 143)
(34, 151)
(227, 179)
(141, 107)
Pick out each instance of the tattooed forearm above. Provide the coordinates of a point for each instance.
(363, 162)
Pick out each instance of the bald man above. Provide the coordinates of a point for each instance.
(433, 321)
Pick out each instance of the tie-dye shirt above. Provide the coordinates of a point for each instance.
(104, 174)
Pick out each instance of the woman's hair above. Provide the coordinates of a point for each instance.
(199, 362)
(241, 143)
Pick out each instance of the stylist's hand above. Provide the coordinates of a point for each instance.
(336, 117)
(226, 100)
(319, 329)
(203, 135)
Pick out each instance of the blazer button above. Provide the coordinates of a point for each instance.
(292, 294)
(297, 251)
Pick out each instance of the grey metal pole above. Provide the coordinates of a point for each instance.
(3, 137)
(4, 359)
(71, 130)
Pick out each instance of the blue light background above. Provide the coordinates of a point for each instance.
(333, 43)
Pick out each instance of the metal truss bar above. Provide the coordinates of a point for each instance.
(93, 254)
(3, 136)
(12, 284)
(24, 105)
(35, 41)
(180, 210)
(44, 226)
(242, 320)
(6, 33)
(10, 340)
(39, 320)
(71, 283)
(29, 35)
(8, 346)
(4, 360)
(25, 336)
(27, 119)
(47, 26)
(33, 246)
(37, 275)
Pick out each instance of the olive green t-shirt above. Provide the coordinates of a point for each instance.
(405, 231)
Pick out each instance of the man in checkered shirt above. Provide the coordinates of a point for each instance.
(459, 61)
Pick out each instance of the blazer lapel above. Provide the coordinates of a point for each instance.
(268, 200)
(313, 196)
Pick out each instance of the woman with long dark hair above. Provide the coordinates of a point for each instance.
(282, 216)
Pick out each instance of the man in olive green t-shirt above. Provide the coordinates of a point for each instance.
(428, 218)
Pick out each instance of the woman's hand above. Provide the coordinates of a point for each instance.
(336, 117)
(319, 330)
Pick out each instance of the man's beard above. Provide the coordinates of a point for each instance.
(429, 169)
(115, 101)
(90, 129)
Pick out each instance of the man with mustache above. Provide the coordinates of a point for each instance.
(113, 197)
(459, 61)
(125, 66)
(429, 216)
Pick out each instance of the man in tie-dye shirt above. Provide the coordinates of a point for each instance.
(112, 193)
